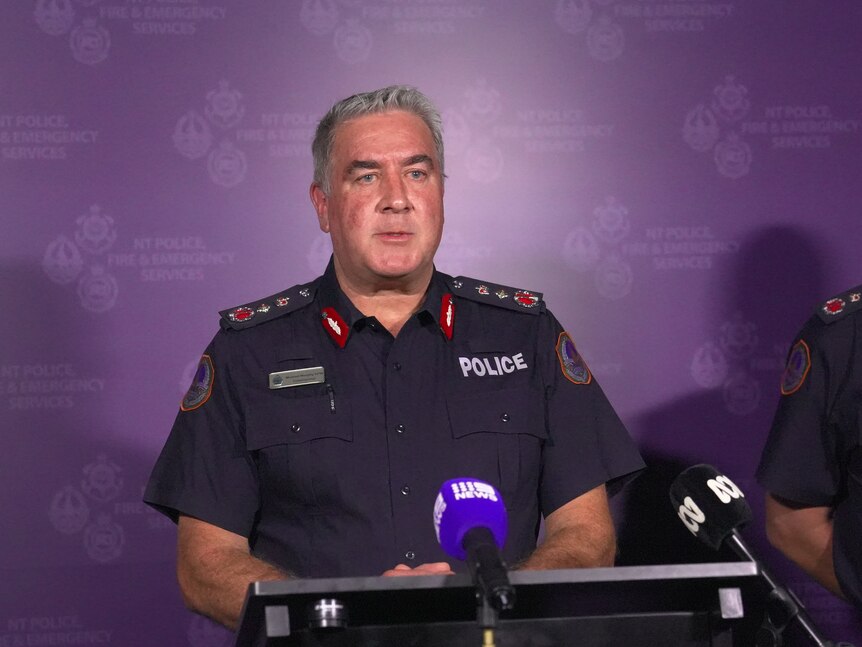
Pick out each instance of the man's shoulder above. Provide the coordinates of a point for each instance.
(272, 307)
(495, 294)
(841, 306)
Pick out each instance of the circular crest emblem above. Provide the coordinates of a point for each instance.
(573, 16)
(96, 233)
(483, 103)
(192, 136)
(701, 130)
(526, 299)
(227, 165)
(834, 306)
(102, 480)
(739, 337)
(605, 40)
(104, 540)
(318, 16)
(352, 42)
(62, 262)
(90, 42)
(741, 395)
(54, 17)
(730, 101)
(614, 278)
(98, 290)
(69, 511)
(581, 249)
(733, 157)
(611, 224)
(223, 106)
(709, 366)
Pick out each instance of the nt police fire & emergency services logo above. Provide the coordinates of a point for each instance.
(597, 248)
(602, 21)
(90, 40)
(736, 363)
(350, 22)
(66, 260)
(94, 508)
(725, 124)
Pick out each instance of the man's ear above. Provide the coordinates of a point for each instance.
(321, 205)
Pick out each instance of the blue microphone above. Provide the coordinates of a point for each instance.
(470, 522)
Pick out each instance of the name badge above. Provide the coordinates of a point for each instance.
(296, 377)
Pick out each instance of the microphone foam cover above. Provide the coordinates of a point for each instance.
(709, 504)
(464, 504)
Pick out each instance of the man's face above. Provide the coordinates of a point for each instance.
(385, 207)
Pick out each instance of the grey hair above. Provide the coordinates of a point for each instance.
(394, 97)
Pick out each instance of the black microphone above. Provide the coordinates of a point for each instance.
(470, 521)
(712, 507)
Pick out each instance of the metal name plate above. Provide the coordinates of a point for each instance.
(296, 377)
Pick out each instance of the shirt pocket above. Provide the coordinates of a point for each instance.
(301, 440)
(498, 436)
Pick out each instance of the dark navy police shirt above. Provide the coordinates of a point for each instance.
(338, 478)
(813, 455)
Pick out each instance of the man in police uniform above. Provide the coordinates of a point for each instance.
(323, 420)
(812, 463)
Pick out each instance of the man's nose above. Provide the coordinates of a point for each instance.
(394, 197)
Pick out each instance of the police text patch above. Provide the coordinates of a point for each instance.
(483, 366)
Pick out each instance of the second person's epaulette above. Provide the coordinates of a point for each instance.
(493, 294)
(272, 307)
(841, 305)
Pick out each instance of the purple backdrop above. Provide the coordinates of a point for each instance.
(681, 178)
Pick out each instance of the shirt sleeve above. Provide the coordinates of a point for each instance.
(587, 442)
(847, 529)
(204, 470)
(799, 461)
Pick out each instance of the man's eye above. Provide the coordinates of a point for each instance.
(368, 177)
(417, 175)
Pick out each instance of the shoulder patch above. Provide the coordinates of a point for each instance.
(841, 305)
(202, 385)
(494, 294)
(796, 370)
(572, 364)
(272, 307)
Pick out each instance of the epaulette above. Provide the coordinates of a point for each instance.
(272, 307)
(493, 294)
(842, 305)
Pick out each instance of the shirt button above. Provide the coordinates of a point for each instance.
(405, 490)
(410, 555)
(396, 366)
(505, 417)
(295, 427)
(400, 429)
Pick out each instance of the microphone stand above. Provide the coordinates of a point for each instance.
(782, 605)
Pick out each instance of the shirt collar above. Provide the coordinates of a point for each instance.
(331, 296)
